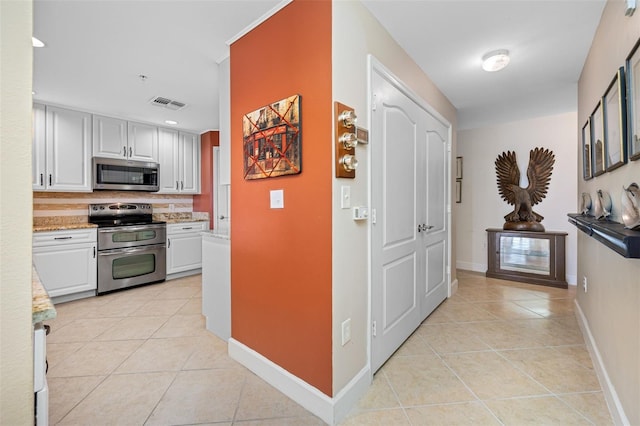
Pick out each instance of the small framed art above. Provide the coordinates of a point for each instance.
(586, 151)
(633, 102)
(615, 122)
(597, 141)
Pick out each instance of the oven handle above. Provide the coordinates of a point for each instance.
(130, 250)
(130, 228)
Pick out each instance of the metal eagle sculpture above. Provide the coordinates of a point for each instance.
(523, 218)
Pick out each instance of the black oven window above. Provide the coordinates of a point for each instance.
(133, 266)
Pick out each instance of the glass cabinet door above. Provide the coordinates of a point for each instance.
(522, 254)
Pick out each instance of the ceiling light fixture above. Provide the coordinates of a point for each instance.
(495, 60)
(36, 43)
(172, 122)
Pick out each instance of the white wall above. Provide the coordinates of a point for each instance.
(16, 353)
(352, 22)
(482, 207)
(611, 306)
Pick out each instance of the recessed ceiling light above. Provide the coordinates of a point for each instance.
(36, 42)
(495, 60)
(172, 122)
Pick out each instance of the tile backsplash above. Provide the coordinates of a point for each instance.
(73, 207)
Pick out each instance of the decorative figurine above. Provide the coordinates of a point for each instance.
(523, 218)
(586, 204)
(602, 205)
(630, 208)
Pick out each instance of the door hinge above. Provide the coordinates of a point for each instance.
(373, 216)
(374, 329)
(373, 104)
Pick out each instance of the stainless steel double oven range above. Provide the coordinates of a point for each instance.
(131, 245)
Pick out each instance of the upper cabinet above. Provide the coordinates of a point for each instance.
(179, 158)
(62, 154)
(115, 138)
(143, 142)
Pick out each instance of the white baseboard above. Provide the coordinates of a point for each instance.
(611, 396)
(469, 266)
(330, 410)
(454, 287)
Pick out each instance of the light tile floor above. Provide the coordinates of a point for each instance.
(497, 352)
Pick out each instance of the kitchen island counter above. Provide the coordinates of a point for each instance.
(42, 308)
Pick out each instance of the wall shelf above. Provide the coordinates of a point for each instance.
(612, 234)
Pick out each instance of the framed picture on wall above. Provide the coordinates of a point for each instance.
(633, 102)
(586, 151)
(271, 138)
(458, 167)
(597, 140)
(615, 122)
(458, 191)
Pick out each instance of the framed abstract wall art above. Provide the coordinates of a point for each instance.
(633, 102)
(586, 151)
(597, 140)
(271, 139)
(615, 122)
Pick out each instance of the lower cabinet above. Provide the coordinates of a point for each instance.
(184, 246)
(66, 261)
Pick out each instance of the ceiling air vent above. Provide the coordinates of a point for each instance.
(167, 103)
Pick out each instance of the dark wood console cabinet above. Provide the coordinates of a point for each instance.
(524, 256)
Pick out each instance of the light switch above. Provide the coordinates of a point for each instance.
(277, 198)
(345, 196)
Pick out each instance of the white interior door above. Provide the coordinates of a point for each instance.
(221, 197)
(409, 159)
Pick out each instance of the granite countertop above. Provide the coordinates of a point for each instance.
(42, 308)
(185, 220)
(62, 226)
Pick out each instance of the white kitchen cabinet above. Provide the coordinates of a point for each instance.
(62, 156)
(184, 246)
(143, 142)
(109, 137)
(39, 151)
(179, 158)
(66, 261)
(116, 138)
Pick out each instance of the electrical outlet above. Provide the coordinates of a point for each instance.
(584, 284)
(346, 331)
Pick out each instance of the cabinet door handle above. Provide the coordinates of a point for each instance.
(130, 152)
(168, 242)
(62, 238)
(41, 179)
(188, 227)
(124, 151)
(49, 179)
(181, 184)
(177, 186)
(94, 252)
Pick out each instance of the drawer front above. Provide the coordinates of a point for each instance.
(187, 227)
(42, 239)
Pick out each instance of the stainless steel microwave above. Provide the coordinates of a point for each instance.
(125, 175)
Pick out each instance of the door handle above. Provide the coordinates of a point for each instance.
(124, 151)
(419, 228)
(426, 227)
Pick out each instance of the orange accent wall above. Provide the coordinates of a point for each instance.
(281, 258)
(203, 202)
